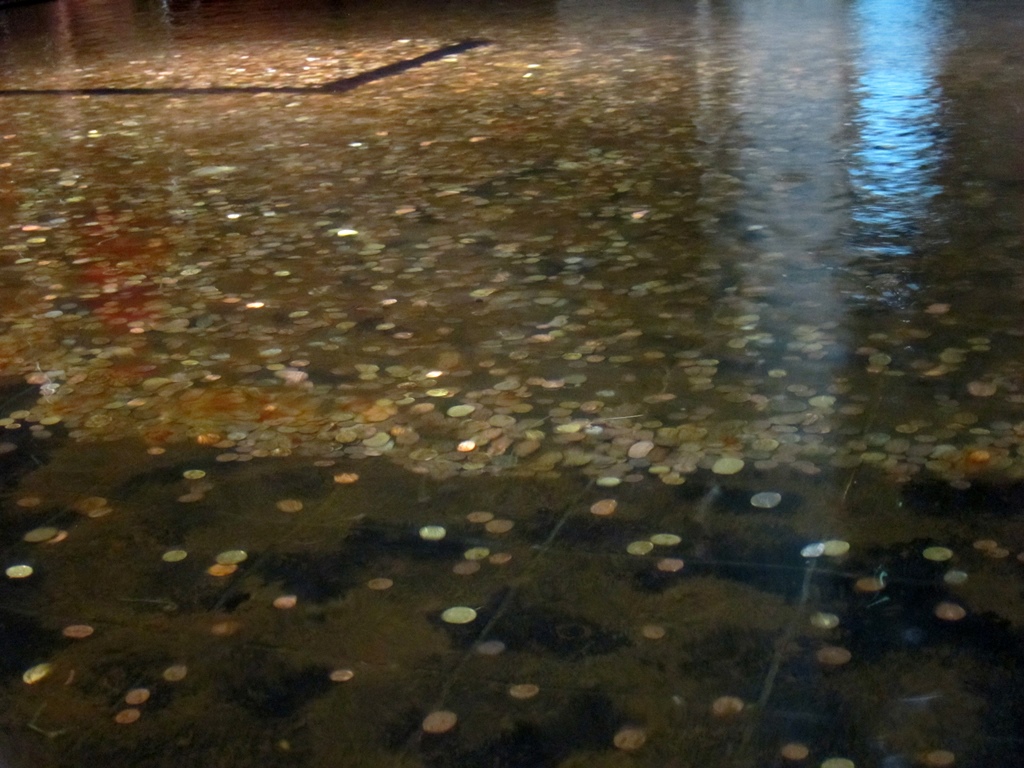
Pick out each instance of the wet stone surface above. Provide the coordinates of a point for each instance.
(551, 384)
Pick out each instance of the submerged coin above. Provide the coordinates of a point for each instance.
(380, 584)
(137, 696)
(823, 620)
(665, 539)
(440, 721)
(640, 547)
(19, 571)
(490, 648)
(630, 738)
(90, 505)
(39, 535)
(523, 690)
(459, 614)
(837, 762)
(817, 549)
(955, 577)
(34, 674)
(726, 706)
(127, 716)
(938, 758)
(869, 584)
(604, 507)
(174, 555)
(77, 631)
(652, 631)
(640, 449)
(498, 526)
(225, 628)
(937, 554)
(670, 564)
(341, 675)
(950, 611)
(432, 532)
(982, 388)
(175, 673)
(289, 505)
(765, 500)
(833, 656)
(232, 557)
(727, 465)
(835, 547)
(794, 751)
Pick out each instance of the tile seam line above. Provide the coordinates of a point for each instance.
(540, 551)
(343, 85)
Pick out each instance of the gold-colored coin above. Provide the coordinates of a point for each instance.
(727, 706)
(833, 656)
(630, 738)
(523, 690)
(20, 571)
(459, 614)
(937, 554)
(440, 721)
(232, 557)
(640, 547)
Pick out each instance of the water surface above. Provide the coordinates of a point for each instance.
(281, 287)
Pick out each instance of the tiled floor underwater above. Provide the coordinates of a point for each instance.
(552, 384)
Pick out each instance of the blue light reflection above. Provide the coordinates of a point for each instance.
(897, 118)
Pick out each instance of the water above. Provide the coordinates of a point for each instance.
(283, 286)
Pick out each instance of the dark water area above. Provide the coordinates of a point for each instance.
(512, 384)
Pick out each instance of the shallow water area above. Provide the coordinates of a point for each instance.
(555, 383)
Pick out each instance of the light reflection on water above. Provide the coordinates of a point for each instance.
(602, 258)
(897, 119)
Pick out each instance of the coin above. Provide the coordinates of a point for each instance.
(440, 721)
